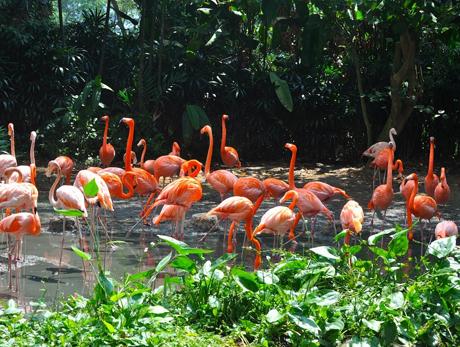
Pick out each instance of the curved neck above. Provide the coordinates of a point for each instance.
(33, 174)
(13, 152)
(207, 166)
(431, 159)
(443, 178)
(32, 151)
(294, 202)
(392, 138)
(129, 146)
(144, 150)
(224, 136)
(410, 205)
(291, 168)
(390, 169)
(127, 183)
(106, 130)
(51, 194)
(398, 165)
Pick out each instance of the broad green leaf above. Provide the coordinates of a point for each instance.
(443, 247)
(91, 189)
(372, 324)
(325, 251)
(245, 280)
(109, 326)
(337, 324)
(274, 316)
(105, 86)
(181, 247)
(183, 263)
(359, 15)
(223, 260)
(399, 244)
(267, 277)
(106, 283)
(305, 323)
(327, 299)
(396, 300)
(373, 239)
(81, 254)
(340, 235)
(158, 309)
(389, 332)
(69, 213)
(163, 262)
(282, 91)
(140, 276)
(214, 37)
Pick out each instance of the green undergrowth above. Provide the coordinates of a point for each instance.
(362, 295)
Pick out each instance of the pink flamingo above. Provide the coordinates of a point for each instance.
(445, 229)
(106, 152)
(8, 160)
(251, 188)
(148, 164)
(29, 172)
(175, 150)
(442, 191)
(351, 218)
(18, 195)
(431, 179)
(102, 198)
(229, 155)
(66, 164)
(275, 187)
(373, 150)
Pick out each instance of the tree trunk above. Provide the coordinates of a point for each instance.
(404, 83)
(362, 97)
(61, 21)
(119, 19)
(104, 39)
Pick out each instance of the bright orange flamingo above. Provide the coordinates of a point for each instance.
(29, 172)
(381, 162)
(146, 164)
(167, 166)
(324, 191)
(103, 198)
(19, 224)
(442, 191)
(278, 221)
(174, 213)
(382, 196)
(251, 188)
(106, 152)
(237, 209)
(220, 180)
(308, 203)
(175, 150)
(66, 164)
(421, 206)
(351, 218)
(116, 185)
(8, 160)
(275, 188)
(445, 229)
(373, 150)
(18, 195)
(431, 179)
(179, 196)
(229, 155)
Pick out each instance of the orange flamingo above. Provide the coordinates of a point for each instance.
(29, 172)
(275, 187)
(175, 150)
(383, 194)
(220, 180)
(8, 160)
(229, 155)
(445, 229)
(167, 166)
(174, 213)
(442, 191)
(431, 179)
(421, 206)
(324, 191)
(277, 221)
(237, 209)
(18, 195)
(66, 164)
(148, 164)
(102, 198)
(115, 185)
(351, 218)
(381, 162)
(373, 150)
(251, 188)
(106, 152)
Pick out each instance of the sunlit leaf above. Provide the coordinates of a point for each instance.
(325, 252)
(372, 324)
(396, 300)
(158, 309)
(443, 247)
(183, 263)
(305, 323)
(181, 247)
(245, 280)
(274, 316)
(163, 262)
(399, 244)
(106, 283)
(373, 239)
(69, 213)
(91, 189)
(81, 254)
(340, 235)
(337, 324)
(109, 326)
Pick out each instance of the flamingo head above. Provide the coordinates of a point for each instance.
(10, 129)
(289, 195)
(191, 167)
(53, 166)
(225, 117)
(104, 118)
(33, 136)
(206, 129)
(443, 173)
(432, 139)
(411, 177)
(393, 131)
(291, 147)
(176, 147)
(141, 143)
(128, 121)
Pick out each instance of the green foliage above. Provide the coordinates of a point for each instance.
(4, 140)
(325, 297)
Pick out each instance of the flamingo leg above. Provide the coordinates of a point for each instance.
(231, 240)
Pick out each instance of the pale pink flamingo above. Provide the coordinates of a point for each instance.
(351, 218)
(8, 160)
(445, 229)
(66, 164)
(29, 172)
(18, 195)
(146, 164)
(103, 198)
(373, 150)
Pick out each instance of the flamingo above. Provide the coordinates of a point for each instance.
(66, 164)
(220, 180)
(167, 166)
(8, 160)
(445, 229)
(251, 188)
(442, 191)
(237, 209)
(106, 152)
(324, 191)
(148, 164)
(421, 206)
(29, 172)
(103, 195)
(275, 187)
(277, 221)
(373, 150)
(115, 185)
(351, 218)
(431, 179)
(175, 150)
(383, 194)
(174, 213)
(229, 155)
(381, 161)
(18, 195)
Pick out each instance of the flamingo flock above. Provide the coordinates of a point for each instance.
(240, 197)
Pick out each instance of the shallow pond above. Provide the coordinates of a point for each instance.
(38, 272)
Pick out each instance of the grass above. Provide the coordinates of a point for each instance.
(326, 297)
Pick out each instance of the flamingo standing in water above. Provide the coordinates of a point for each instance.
(442, 191)
(251, 188)
(445, 229)
(220, 180)
(8, 160)
(421, 206)
(237, 209)
(66, 164)
(18, 195)
(431, 179)
(29, 172)
(383, 194)
(146, 164)
(278, 221)
(229, 155)
(275, 187)
(167, 166)
(324, 191)
(351, 218)
(103, 198)
(106, 152)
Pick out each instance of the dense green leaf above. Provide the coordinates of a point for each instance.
(274, 316)
(443, 247)
(326, 252)
(245, 280)
(282, 91)
(91, 188)
(69, 213)
(181, 247)
(81, 254)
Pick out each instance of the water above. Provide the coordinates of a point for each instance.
(38, 269)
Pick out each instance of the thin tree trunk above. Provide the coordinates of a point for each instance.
(362, 96)
(119, 19)
(61, 21)
(104, 39)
